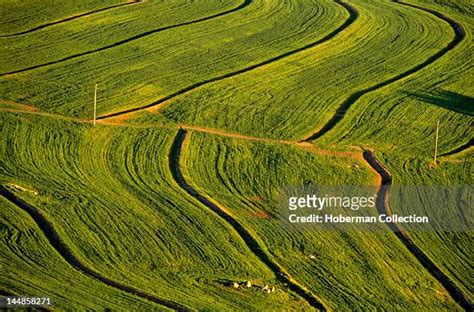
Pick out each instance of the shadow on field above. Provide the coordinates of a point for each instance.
(447, 99)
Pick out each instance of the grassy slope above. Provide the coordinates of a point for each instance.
(402, 117)
(30, 266)
(400, 120)
(110, 195)
(452, 251)
(284, 99)
(292, 97)
(147, 69)
(355, 270)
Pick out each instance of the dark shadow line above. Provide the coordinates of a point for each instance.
(7, 293)
(383, 207)
(70, 19)
(354, 97)
(445, 99)
(460, 148)
(249, 240)
(63, 249)
(121, 42)
(353, 14)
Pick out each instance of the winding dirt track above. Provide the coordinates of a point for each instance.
(353, 14)
(70, 18)
(460, 149)
(459, 35)
(249, 239)
(6, 293)
(136, 37)
(55, 240)
(383, 207)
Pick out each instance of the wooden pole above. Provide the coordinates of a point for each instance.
(436, 142)
(95, 103)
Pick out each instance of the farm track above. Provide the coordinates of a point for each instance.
(459, 149)
(67, 254)
(251, 242)
(305, 146)
(218, 132)
(70, 18)
(383, 207)
(353, 14)
(10, 294)
(247, 237)
(136, 37)
(340, 113)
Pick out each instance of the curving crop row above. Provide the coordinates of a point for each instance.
(350, 19)
(341, 111)
(252, 242)
(130, 39)
(383, 206)
(110, 195)
(70, 18)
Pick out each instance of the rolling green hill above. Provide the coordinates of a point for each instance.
(206, 111)
(368, 268)
(142, 230)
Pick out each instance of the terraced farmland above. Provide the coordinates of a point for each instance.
(207, 111)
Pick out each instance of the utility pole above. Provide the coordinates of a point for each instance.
(436, 142)
(95, 104)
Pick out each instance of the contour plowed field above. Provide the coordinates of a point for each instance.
(207, 111)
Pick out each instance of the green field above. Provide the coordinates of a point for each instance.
(206, 111)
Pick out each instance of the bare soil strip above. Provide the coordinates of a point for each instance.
(353, 14)
(20, 106)
(121, 42)
(249, 239)
(383, 206)
(70, 18)
(306, 146)
(459, 35)
(115, 122)
(55, 240)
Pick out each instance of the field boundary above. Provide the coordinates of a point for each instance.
(124, 41)
(70, 18)
(213, 131)
(341, 111)
(367, 156)
(7, 293)
(383, 207)
(460, 149)
(353, 14)
(252, 243)
(66, 253)
(251, 240)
